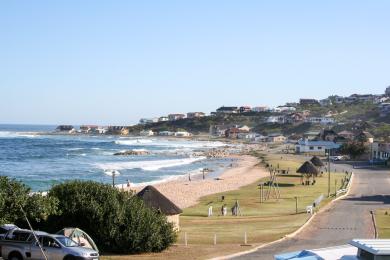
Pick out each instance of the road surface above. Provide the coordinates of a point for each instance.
(346, 219)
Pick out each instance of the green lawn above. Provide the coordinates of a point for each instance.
(383, 222)
(262, 222)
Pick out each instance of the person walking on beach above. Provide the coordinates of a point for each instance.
(128, 183)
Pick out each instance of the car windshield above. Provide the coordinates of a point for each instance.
(67, 242)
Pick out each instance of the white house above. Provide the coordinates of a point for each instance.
(163, 119)
(315, 147)
(276, 119)
(144, 121)
(182, 134)
(146, 133)
(260, 109)
(166, 133)
(102, 130)
(320, 120)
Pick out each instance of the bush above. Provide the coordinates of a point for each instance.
(353, 149)
(117, 221)
(14, 195)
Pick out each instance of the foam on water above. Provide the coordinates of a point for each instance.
(148, 165)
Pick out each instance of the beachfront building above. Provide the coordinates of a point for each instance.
(64, 128)
(89, 129)
(102, 130)
(276, 138)
(195, 114)
(218, 130)
(174, 117)
(166, 133)
(146, 133)
(316, 147)
(156, 200)
(182, 134)
(125, 131)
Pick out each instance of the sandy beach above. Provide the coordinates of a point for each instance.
(185, 193)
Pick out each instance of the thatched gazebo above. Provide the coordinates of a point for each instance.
(156, 200)
(317, 162)
(308, 170)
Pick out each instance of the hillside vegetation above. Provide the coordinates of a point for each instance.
(357, 116)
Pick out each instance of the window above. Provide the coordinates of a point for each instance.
(19, 236)
(49, 242)
(319, 147)
(311, 147)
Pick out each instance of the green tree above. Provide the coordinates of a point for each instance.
(117, 221)
(15, 196)
(353, 149)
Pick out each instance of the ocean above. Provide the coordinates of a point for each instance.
(41, 161)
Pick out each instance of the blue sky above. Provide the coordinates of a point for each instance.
(112, 62)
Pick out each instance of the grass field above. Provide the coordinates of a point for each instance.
(262, 222)
(383, 222)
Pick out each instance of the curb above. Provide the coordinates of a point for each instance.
(293, 234)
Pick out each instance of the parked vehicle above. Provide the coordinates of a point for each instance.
(4, 229)
(20, 244)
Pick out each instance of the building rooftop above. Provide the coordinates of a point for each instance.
(373, 246)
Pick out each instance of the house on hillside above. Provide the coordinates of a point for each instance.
(308, 102)
(347, 134)
(320, 120)
(145, 121)
(195, 114)
(276, 119)
(276, 138)
(384, 109)
(325, 102)
(245, 109)
(174, 117)
(316, 147)
(260, 109)
(163, 119)
(154, 199)
(227, 110)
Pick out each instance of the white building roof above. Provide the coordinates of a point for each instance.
(373, 246)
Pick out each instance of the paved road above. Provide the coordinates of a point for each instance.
(346, 219)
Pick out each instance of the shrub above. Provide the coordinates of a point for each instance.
(117, 221)
(14, 195)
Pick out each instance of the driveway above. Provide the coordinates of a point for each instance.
(346, 219)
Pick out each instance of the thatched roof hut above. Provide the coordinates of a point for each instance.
(156, 200)
(317, 161)
(308, 168)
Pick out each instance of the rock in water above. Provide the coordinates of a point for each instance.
(132, 152)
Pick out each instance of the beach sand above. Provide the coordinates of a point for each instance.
(185, 193)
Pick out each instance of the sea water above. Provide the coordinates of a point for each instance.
(43, 160)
